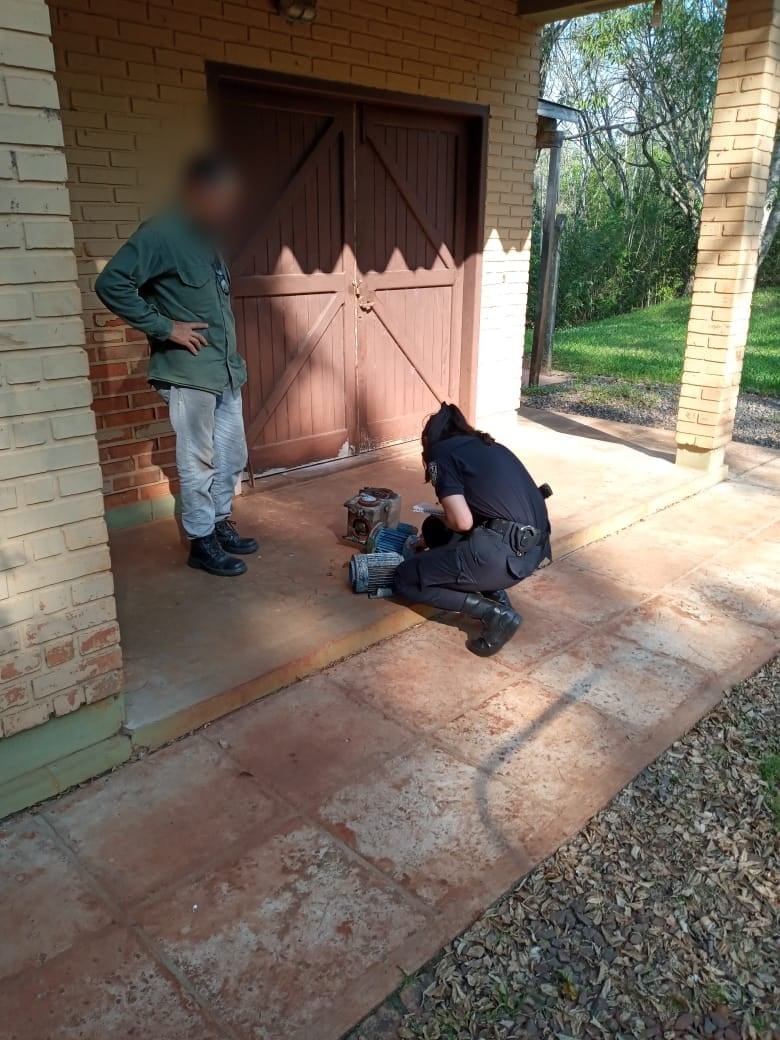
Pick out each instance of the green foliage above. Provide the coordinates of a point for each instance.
(633, 173)
(769, 274)
(647, 346)
(615, 259)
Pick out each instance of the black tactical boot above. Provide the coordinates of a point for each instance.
(207, 554)
(499, 596)
(499, 624)
(231, 541)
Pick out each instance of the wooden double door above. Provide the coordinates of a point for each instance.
(353, 276)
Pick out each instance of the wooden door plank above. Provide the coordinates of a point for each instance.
(413, 202)
(410, 354)
(420, 279)
(300, 355)
(287, 194)
(287, 284)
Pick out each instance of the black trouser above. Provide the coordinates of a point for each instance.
(455, 565)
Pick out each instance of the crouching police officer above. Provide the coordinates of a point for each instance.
(495, 530)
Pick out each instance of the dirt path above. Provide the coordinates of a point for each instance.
(758, 418)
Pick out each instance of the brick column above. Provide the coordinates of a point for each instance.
(59, 641)
(746, 111)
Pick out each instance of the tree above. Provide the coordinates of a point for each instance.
(771, 222)
(646, 92)
(646, 96)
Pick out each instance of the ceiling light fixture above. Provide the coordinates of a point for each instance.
(303, 12)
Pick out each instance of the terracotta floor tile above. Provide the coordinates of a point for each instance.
(621, 679)
(660, 550)
(723, 513)
(564, 760)
(542, 633)
(444, 830)
(162, 817)
(567, 590)
(271, 939)
(767, 476)
(310, 739)
(643, 563)
(744, 585)
(770, 534)
(681, 623)
(45, 905)
(107, 988)
(424, 677)
(741, 457)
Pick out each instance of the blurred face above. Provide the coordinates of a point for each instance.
(213, 204)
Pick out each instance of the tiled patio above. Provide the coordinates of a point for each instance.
(270, 877)
(196, 648)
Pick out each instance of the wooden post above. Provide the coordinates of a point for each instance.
(549, 326)
(547, 137)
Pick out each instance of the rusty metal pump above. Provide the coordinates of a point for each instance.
(370, 507)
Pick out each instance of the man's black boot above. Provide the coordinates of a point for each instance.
(499, 624)
(207, 554)
(231, 541)
(499, 596)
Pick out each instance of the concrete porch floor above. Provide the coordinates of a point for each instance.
(271, 877)
(196, 648)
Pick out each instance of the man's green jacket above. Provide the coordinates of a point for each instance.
(170, 271)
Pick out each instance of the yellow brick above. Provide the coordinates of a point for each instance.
(285, 62)
(18, 721)
(26, 51)
(27, 91)
(45, 234)
(57, 302)
(252, 55)
(15, 304)
(337, 70)
(25, 16)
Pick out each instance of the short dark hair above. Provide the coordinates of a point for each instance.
(206, 169)
(449, 421)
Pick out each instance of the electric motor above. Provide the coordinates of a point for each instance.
(400, 539)
(373, 573)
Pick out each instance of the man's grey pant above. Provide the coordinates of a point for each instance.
(210, 453)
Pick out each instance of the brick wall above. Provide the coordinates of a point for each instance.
(58, 636)
(132, 88)
(743, 133)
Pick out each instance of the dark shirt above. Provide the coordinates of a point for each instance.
(494, 482)
(169, 271)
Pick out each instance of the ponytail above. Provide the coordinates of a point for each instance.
(448, 422)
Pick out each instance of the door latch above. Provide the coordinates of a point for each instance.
(363, 302)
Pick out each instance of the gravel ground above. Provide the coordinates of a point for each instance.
(758, 418)
(659, 920)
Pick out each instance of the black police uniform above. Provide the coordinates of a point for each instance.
(503, 500)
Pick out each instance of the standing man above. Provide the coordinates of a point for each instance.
(170, 281)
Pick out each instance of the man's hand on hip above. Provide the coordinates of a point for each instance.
(185, 334)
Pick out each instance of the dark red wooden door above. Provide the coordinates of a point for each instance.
(410, 232)
(292, 273)
(348, 269)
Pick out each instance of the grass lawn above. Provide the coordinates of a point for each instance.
(647, 346)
